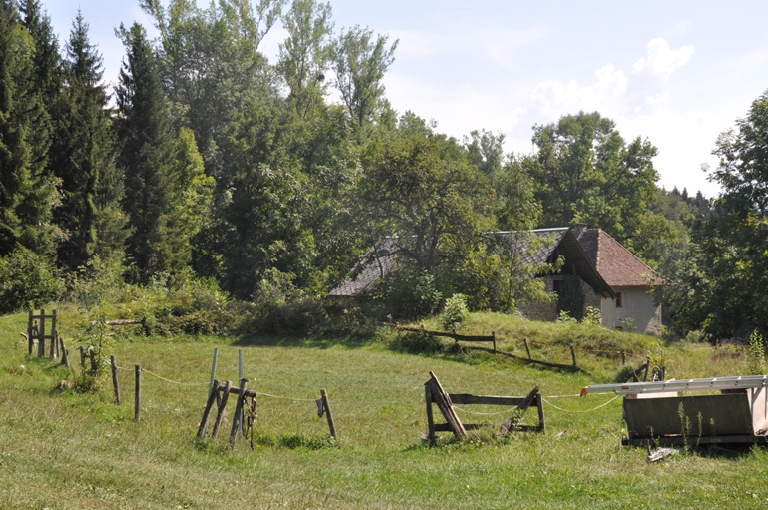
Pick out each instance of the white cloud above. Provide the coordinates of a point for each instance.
(494, 45)
(605, 94)
(661, 60)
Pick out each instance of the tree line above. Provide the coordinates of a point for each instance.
(207, 161)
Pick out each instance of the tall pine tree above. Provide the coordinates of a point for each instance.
(27, 190)
(83, 157)
(147, 156)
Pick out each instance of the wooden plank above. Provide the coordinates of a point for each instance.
(207, 412)
(331, 425)
(443, 401)
(123, 322)
(220, 411)
(430, 416)
(517, 414)
(237, 422)
(466, 398)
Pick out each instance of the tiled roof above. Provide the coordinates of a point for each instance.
(616, 264)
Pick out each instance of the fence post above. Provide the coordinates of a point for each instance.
(82, 357)
(64, 353)
(241, 415)
(573, 356)
(527, 350)
(213, 368)
(138, 393)
(493, 333)
(324, 396)
(30, 340)
(115, 379)
(623, 357)
(208, 406)
(430, 417)
(237, 423)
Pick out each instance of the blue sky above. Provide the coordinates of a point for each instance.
(678, 73)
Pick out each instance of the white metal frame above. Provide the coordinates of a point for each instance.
(711, 383)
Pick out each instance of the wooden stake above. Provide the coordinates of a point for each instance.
(493, 334)
(527, 350)
(573, 356)
(443, 401)
(64, 353)
(430, 417)
(115, 379)
(623, 357)
(324, 397)
(220, 411)
(237, 423)
(208, 406)
(137, 413)
(29, 334)
(517, 413)
(213, 368)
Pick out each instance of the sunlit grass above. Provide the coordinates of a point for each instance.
(63, 449)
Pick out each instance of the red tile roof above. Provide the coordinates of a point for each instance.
(618, 267)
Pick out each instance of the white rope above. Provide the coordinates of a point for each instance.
(580, 411)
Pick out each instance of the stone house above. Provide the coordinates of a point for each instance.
(596, 271)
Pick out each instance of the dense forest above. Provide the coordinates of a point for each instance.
(208, 163)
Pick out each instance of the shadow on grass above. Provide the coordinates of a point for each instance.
(319, 341)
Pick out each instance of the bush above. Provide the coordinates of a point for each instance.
(755, 354)
(593, 317)
(27, 281)
(455, 311)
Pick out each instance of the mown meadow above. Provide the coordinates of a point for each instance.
(65, 449)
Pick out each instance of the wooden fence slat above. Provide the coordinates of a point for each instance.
(443, 401)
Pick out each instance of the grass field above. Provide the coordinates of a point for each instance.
(60, 449)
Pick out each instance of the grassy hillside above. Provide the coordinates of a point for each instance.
(63, 449)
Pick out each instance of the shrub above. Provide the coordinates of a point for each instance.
(755, 354)
(27, 281)
(592, 317)
(455, 311)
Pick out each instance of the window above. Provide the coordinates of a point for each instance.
(619, 300)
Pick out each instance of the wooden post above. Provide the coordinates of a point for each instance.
(137, 412)
(54, 342)
(573, 356)
(64, 353)
(493, 333)
(527, 350)
(443, 401)
(517, 413)
(29, 334)
(237, 423)
(623, 357)
(213, 369)
(220, 410)
(430, 417)
(647, 366)
(208, 406)
(241, 373)
(542, 427)
(324, 397)
(82, 356)
(40, 338)
(115, 379)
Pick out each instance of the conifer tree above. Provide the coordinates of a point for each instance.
(147, 156)
(84, 157)
(27, 191)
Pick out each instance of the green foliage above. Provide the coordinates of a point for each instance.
(409, 294)
(27, 281)
(359, 63)
(587, 173)
(755, 354)
(28, 191)
(564, 317)
(571, 297)
(454, 312)
(628, 325)
(99, 281)
(98, 349)
(592, 317)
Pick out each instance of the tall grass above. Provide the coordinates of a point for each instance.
(63, 449)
